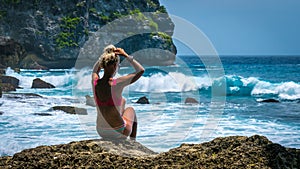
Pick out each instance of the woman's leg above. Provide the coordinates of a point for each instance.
(131, 123)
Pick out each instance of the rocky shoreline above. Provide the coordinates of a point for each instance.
(224, 152)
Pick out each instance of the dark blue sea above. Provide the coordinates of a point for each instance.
(237, 95)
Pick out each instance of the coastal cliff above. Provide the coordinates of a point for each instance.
(52, 34)
(227, 152)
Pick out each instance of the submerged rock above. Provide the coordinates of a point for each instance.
(226, 152)
(71, 110)
(38, 83)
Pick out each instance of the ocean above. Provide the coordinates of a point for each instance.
(235, 103)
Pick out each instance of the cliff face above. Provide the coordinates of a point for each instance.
(51, 31)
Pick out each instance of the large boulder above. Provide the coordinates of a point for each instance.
(38, 83)
(11, 80)
(7, 87)
(8, 83)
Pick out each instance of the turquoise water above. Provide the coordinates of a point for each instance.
(167, 121)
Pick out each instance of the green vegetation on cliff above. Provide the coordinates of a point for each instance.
(67, 37)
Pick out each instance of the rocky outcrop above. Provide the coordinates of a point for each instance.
(71, 110)
(57, 32)
(38, 83)
(143, 100)
(11, 52)
(226, 152)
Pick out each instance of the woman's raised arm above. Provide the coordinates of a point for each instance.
(139, 69)
(96, 70)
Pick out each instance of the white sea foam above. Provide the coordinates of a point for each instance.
(167, 82)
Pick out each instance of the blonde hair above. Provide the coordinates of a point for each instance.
(108, 56)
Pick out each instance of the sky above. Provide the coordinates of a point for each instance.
(242, 27)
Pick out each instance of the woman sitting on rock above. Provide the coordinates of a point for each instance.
(113, 120)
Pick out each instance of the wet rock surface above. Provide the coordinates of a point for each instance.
(227, 152)
(143, 100)
(38, 83)
(71, 110)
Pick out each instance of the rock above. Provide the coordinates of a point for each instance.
(23, 95)
(270, 101)
(10, 80)
(226, 152)
(90, 101)
(7, 87)
(42, 114)
(1, 112)
(0, 89)
(190, 100)
(143, 100)
(38, 83)
(2, 71)
(71, 110)
(31, 61)
(11, 52)
(9, 83)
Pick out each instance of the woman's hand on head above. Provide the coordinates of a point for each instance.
(120, 51)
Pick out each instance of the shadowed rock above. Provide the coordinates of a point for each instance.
(143, 100)
(225, 152)
(1, 112)
(38, 83)
(71, 110)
